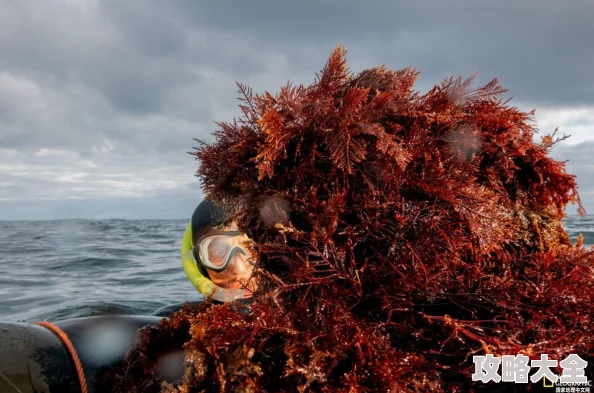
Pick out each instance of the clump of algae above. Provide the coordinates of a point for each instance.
(398, 235)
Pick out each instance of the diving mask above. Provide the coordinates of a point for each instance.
(216, 250)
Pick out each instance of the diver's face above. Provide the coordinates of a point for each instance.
(238, 272)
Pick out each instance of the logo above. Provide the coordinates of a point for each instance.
(517, 369)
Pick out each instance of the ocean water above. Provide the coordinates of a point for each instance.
(72, 268)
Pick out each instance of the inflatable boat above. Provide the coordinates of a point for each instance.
(66, 356)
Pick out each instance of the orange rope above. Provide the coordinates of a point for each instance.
(60, 333)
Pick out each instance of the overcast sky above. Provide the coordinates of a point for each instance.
(100, 99)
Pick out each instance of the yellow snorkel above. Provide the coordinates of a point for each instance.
(203, 284)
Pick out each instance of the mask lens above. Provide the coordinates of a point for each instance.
(217, 251)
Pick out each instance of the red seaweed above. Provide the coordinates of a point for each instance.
(398, 235)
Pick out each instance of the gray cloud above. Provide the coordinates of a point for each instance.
(103, 97)
(538, 48)
(131, 208)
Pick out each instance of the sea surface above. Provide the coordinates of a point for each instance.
(53, 270)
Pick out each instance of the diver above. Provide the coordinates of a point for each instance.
(220, 260)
